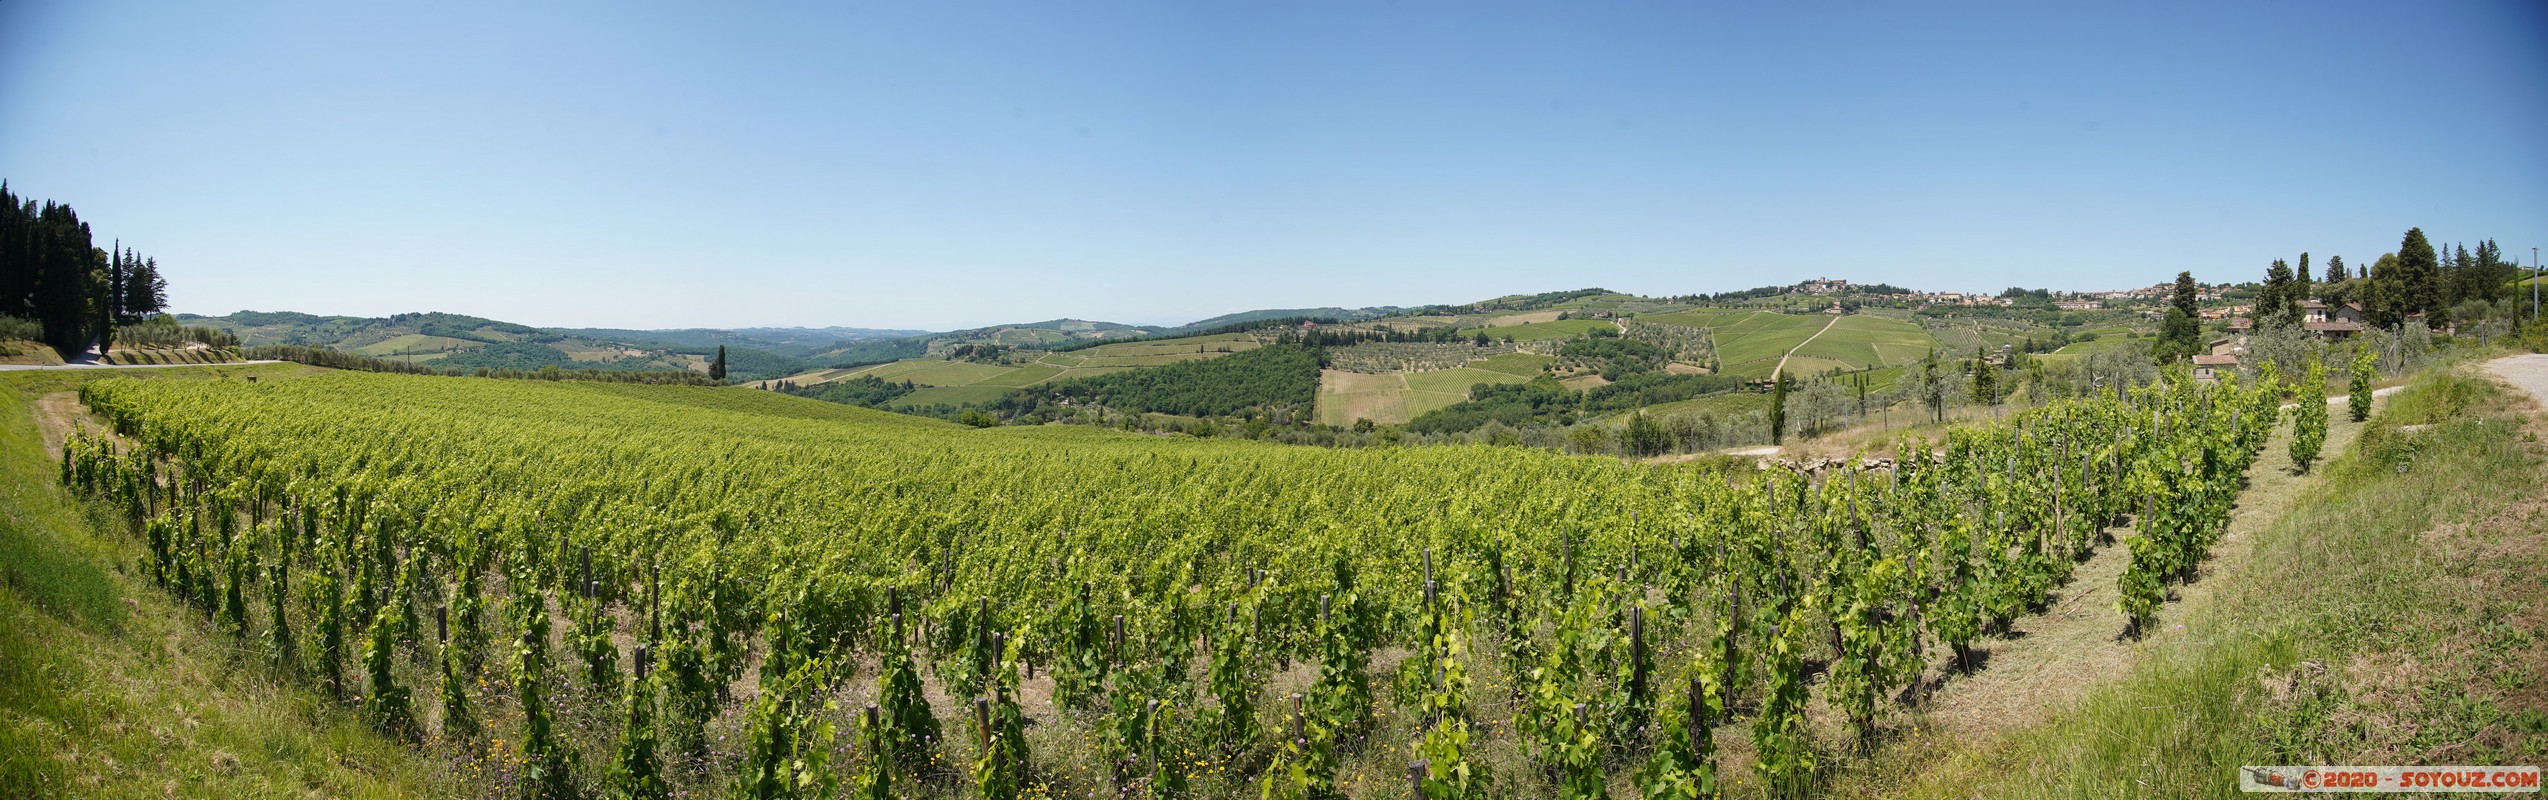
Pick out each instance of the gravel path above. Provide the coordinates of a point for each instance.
(2529, 372)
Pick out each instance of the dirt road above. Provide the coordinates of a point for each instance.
(1791, 352)
(2528, 372)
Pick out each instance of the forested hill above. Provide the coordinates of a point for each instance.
(1265, 378)
(789, 341)
(465, 342)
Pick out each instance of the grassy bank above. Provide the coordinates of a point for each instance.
(2397, 615)
(107, 689)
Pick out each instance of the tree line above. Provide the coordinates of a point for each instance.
(2417, 279)
(338, 359)
(1257, 379)
(53, 272)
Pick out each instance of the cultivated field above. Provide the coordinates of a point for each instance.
(959, 382)
(568, 522)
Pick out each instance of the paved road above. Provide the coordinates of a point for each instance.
(2529, 372)
(16, 367)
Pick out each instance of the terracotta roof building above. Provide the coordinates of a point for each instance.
(2332, 330)
(2207, 366)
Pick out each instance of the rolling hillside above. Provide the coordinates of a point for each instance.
(946, 381)
(1427, 358)
(455, 340)
(1747, 343)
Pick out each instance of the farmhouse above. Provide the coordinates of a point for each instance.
(2333, 330)
(2207, 367)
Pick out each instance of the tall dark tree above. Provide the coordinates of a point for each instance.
(115, 271)
(2381, 292)
(52, 272)
(64, 286)
(2276, 304)
(1778, 409)
(716, 369)
(2482, 276)
(2419, 276)
(2496, 273)
(17, 261)
(144, 293)
(2301, 290)
(2338, 288)
(2181, 334)
(1985, 378)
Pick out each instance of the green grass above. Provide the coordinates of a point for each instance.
(1458, 381)
(1860, 341)
(417, 342)
(1234, 341)
(1721, 405)
(1526, 365)
(1958, 337)
(952, 395)
(935, 372)
(1559, 329)
(1028, 375)
(1418, 403)
(2392, 617)
(1099, 360)
(1699, 318)
(1801, 366)
(1751, 346)
(108, 689)
(1149, 360)
(2103, 342)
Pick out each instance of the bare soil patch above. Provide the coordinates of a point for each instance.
(1509, 320)
(56, 415)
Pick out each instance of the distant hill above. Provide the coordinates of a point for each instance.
(1048, 333)
(1386, 364)
(1331, 312)
(788, 341)
(466, 342)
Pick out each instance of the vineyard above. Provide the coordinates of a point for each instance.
(1427, 356)
(633, 591)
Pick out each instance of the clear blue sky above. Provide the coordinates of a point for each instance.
(939, 165)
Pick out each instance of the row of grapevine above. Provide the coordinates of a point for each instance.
(678, 540)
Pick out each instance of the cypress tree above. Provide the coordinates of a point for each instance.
(716, 368)
(2274, 298)
(2301, 291)
(2419, 275)
(1778, 410)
